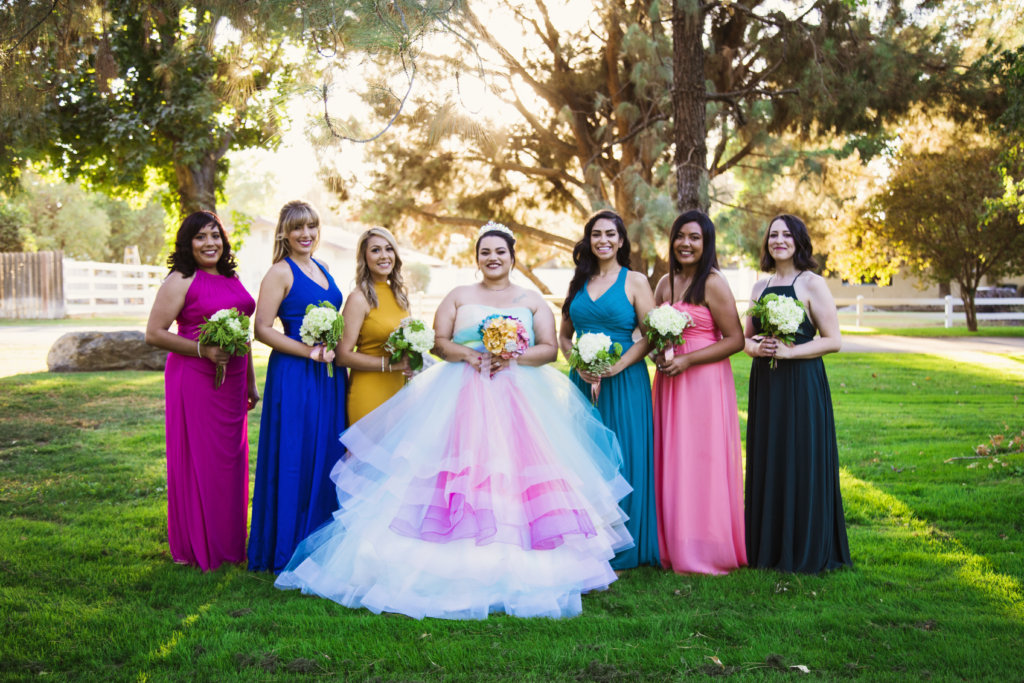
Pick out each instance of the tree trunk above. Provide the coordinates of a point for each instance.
(197, 185)
(967, 293)
(688, 105)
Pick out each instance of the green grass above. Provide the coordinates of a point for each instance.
(106, 321)
(88, 591)
(983, 331)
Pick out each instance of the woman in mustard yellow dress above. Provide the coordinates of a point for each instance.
(372, 312)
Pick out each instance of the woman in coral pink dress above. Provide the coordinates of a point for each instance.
(207, 427)
(698, 471)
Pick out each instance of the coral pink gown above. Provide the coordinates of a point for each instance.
(698, 472)
(207, 437)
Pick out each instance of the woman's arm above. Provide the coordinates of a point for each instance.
(253, 391)
(355, 312)
(723, 310)
(545, 347)
(821, 308)
(444, 329)
(566, 331)
(170, 299)
(754, 345)
(274, 288)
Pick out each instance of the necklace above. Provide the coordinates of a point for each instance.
(308, 271)
(493, 289)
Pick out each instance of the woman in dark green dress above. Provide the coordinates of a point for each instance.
(793, 507)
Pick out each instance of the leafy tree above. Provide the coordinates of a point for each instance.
(941, 214)
(126, 94)
(617, 106)
(64, 216)
(14, 237)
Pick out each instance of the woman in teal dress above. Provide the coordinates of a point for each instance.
(605, 296)
(793, 508)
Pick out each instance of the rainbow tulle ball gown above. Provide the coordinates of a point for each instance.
(465, 495)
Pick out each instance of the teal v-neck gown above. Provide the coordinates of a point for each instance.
(624, 403)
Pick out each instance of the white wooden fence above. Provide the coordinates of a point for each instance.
(93, 288)
(948, 315)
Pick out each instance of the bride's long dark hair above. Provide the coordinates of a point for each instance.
(583, 254)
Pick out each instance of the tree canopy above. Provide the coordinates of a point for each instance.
(127, 94)
(597, 109)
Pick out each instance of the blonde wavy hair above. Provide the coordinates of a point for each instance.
(294, 214)
(364, 279)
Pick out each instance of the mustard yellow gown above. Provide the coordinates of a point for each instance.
(367, 390)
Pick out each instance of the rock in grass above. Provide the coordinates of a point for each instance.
(91, 351)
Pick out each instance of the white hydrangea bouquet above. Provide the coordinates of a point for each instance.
(412, 338)
(228, 328)
(595, 353)
(322, 324)
(665, 325)
(780, 317)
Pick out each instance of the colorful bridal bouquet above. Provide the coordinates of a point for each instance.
(228, 328)
(322, 324)
(665, 326)
(413, 338)
(780, 317)
(504, 336)
(595, 353)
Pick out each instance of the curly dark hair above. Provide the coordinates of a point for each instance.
(803, 259)
(583, 254)
(183, 261)
(694, 294)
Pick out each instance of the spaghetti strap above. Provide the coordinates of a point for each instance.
(797, 277)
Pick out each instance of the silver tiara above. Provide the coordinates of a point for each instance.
(491, 226)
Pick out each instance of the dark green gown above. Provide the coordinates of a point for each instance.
(793, 507)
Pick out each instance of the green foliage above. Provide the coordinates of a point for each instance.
(595, 116)
(90, 591)
(943, 216)
(228, 329)
(86, 225)
(14, 236)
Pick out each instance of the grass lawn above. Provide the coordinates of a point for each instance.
(983, 331)
(88, 591)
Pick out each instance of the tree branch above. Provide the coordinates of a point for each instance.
(536, 233)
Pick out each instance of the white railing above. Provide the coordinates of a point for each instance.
(94, 288)
(947, 315)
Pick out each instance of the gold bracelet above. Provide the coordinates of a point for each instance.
(198, 352)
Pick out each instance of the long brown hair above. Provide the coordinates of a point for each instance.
(364, 278)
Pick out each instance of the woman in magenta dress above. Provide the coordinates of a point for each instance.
(698, 471)
(207, 428)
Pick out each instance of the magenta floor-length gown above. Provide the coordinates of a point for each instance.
(698, 473)
(207, 437)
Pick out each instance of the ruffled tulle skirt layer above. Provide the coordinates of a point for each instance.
(465, 495)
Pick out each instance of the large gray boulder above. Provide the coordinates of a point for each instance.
(89, 351)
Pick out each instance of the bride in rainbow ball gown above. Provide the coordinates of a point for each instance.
(487, 484)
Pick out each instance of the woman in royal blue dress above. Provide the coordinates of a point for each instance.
(488, 484)
(794, 510)
(303, 407)
(606, 296)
